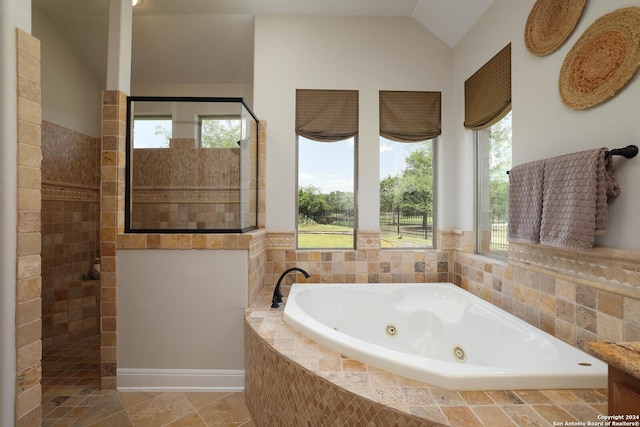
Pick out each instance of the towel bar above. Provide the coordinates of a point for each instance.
(629, 152)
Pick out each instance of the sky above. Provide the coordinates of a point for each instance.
(330, 165)
(144, 133)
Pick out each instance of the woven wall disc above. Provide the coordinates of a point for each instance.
(603, 59)
(550, 23)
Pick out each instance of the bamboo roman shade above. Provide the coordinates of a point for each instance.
(487, 93)
(409, 116)
(326, 115)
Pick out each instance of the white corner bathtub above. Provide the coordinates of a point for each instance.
(440, 334)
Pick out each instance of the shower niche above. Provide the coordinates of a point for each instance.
(191, 165)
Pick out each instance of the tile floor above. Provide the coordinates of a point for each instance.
(71, 396)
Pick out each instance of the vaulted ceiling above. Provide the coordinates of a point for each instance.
(193, 41)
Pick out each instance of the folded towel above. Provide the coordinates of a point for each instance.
(525, 202)
(607, 186)
(574, 200)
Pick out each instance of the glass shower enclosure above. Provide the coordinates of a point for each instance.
(191, 165)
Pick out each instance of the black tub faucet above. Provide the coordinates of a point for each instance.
(277, 295)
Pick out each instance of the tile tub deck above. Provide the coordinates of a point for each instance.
(318, 382)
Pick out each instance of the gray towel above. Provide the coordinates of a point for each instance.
(575, 191)
(525, 202)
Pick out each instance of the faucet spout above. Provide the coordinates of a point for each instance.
(277, 294)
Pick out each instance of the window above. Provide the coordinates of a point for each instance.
(326, 129)
(326, 204)
(152, 131)
(410, 122)
(220, 132)
(494, 160)
(487, 112)
(406, 194)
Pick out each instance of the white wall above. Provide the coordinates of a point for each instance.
(181, 309)
(219, 90)
(368, 54)
(542, 125)
(71, 96)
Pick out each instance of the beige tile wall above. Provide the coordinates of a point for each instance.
(70, 311)
(186, 187)
(28, 265)
(70, 161)
(280, 392)
(69, 212)
(576, 296)
(365, 264)
(114, 110)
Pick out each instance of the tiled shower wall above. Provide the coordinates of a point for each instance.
(69, 234)
(186, 187)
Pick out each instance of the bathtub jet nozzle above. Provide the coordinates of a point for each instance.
(277, 294)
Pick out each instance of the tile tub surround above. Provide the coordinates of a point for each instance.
(291, 380)
(365, 264)
(579, 297)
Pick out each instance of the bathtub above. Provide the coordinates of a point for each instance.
(440, 334)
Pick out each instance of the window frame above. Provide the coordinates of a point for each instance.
(253, 145)
(434, 192)
(220, 118)
(153, 117)
(478, 214)
(355, 195)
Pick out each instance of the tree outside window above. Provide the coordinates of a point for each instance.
(494, 160)
(152, 131)
(406, 194)
(220, 132)
(326, 203)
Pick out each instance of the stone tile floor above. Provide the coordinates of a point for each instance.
(71, 396)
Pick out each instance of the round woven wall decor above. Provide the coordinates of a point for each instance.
(603, 59)
(550, 23)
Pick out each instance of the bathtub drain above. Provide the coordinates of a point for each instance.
(459, 353)
(391, 330)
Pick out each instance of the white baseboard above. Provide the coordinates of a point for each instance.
(131, 379)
